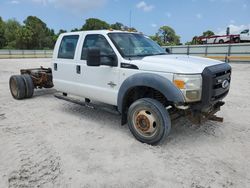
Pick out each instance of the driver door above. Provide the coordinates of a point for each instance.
(100, 83)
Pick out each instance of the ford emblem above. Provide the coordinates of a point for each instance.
(225, 84)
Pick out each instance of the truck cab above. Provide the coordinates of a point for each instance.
(245, 35)
(147, 86)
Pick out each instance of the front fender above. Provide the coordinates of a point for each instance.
(157, 82)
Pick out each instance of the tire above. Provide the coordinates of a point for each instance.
(237, 40)
(221, 41)
(149, 121)
(29, 86)
(17, 87)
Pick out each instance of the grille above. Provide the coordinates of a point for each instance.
(213, 78)
(218, 91)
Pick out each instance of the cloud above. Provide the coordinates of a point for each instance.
(232, 21)
(144, 6)
(244, 6)
(168, 14)
(72, 5)
(154, 25)
(234, 29)
(199, 16)
(14, 2)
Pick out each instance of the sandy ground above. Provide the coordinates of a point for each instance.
(47, 142)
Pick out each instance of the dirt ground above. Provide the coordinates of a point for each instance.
(47, 142)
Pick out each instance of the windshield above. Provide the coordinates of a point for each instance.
(135, 45)
(245, 31)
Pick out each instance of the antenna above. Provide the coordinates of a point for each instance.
(130, 18)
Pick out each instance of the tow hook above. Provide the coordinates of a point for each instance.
(200, 117)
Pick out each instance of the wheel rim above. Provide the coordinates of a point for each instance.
(145, 123)
(13, 86)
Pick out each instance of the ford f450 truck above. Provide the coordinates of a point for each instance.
(131, 73)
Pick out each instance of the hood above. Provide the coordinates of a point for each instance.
(174, 63)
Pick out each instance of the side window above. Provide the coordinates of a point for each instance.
(96, 41)
(68, 46)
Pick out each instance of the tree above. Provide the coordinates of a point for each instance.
(166, 36)
(24, 38)
(75, 30)
(157, 39)
(194, 41)
(2, 37)
(61, 31)
(42, 36)
(117, 26)
(208, 33)
(95, 24)
(11, 29)
(169, 36)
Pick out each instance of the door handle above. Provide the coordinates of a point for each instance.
(55, 66)
(78, 69)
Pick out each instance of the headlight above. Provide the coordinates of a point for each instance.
(190, 85)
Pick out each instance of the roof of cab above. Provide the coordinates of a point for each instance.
(96, 32)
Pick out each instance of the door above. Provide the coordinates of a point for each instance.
(244, 35)
(64, 64)
(98, 83)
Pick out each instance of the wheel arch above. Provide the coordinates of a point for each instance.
(153, 82)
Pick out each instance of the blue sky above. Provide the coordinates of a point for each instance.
(187, 17)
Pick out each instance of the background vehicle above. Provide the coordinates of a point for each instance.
(135, 76)
(217, 39)
(244, 36)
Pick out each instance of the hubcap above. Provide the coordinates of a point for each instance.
(145, 123)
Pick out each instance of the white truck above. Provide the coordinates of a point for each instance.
(131, 73)
(244, 36)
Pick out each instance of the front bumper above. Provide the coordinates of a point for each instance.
(215, 86)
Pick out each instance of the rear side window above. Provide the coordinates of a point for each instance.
(68, 47)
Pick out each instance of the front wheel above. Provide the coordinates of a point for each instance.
(149, 121)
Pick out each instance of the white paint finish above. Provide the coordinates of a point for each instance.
(175, 64)
(93, 81)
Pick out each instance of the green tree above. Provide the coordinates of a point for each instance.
(194, 41)
(166, 36)
(95, 24)
(24, 38)
(117, 26)
(61, 31)
(11, 29)
(75, 30)
(2, 37)
(157, 39)
(42, 36)
(208, 33)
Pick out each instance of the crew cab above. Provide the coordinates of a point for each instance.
(127, 70)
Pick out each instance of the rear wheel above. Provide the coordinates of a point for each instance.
(221, 41)
(29, 86)
(237, 40)
(149, 121)
(17, 87)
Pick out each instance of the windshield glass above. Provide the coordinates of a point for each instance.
(245, 31)
(135, 45)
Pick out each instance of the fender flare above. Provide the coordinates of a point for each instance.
(157, 82)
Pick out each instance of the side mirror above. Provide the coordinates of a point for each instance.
(94, 57)
(167, 50)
